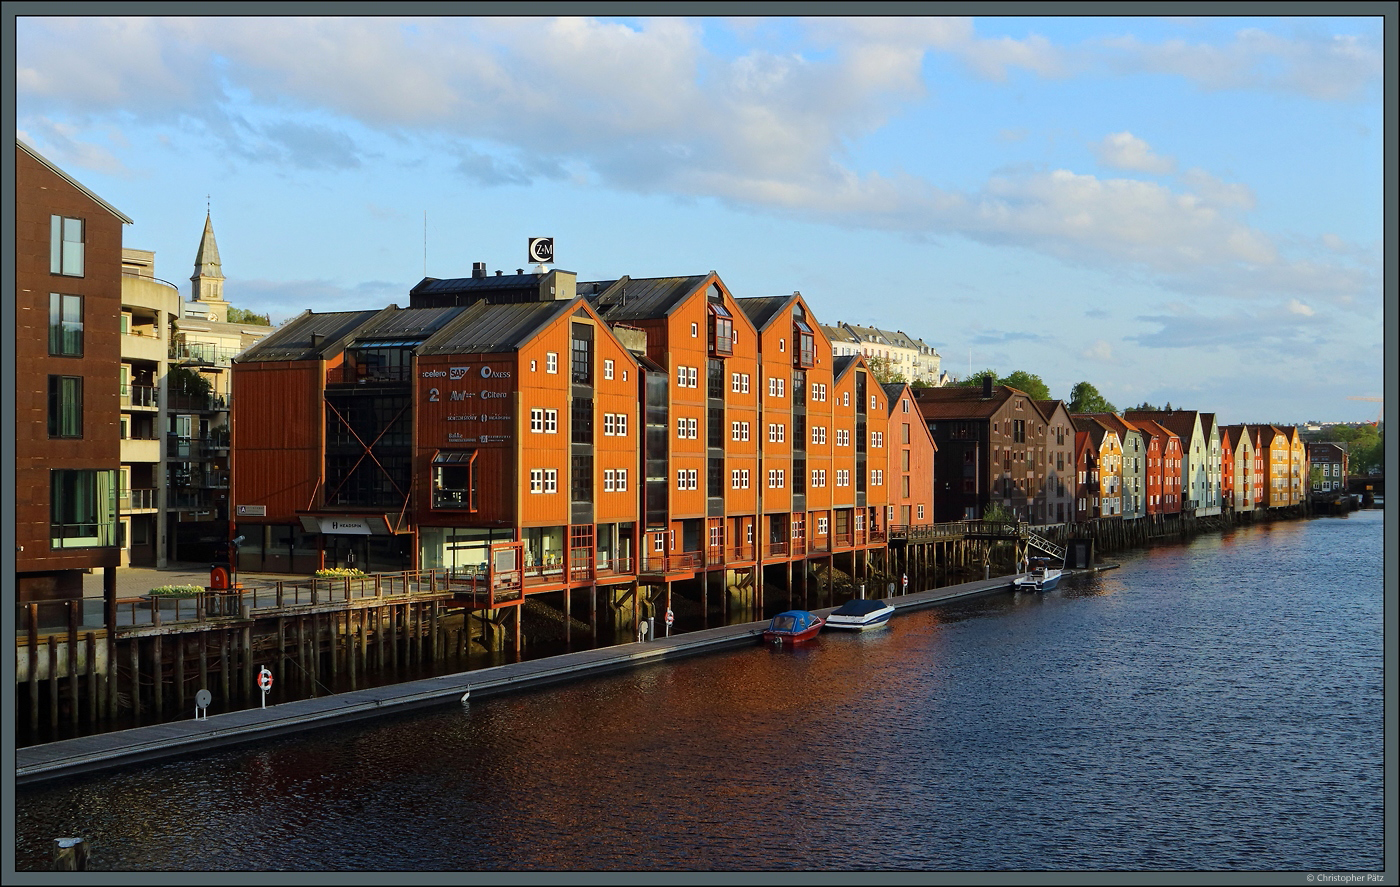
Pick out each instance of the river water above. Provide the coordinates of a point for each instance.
(1214, 705)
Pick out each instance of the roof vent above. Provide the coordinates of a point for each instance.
(498, 272)
(478, 269)
(519, 271)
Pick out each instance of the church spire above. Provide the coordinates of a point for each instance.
(207, 282)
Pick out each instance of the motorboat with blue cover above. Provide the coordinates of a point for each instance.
(793, 627)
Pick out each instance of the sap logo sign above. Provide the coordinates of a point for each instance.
(457, 372)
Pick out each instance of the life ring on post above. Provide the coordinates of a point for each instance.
(265, 680)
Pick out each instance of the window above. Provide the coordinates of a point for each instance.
(693, 376)
(904, 460)
(745, 378)
(621, 419)
(551, 480)
(904, 402)
(877, 438)
(658, 544)
(687, 429)
(734, 479)
(904, 433)
(454, 479)
(691, 479)
(551, 362)
(695, 331)
(536, 480)
(65, 406)
(904, 491)
(551, 421)
(721, 330)
(921, 512)
(843, 437)
(622, 480)
(734, 382)
(537, 421)
(581, 354)
(82, 508)
(66, 325)
(877, 477)
(609, 480)
(66, 246)
(843, 477)
(609, 425)
(607, 369)
(845, 398)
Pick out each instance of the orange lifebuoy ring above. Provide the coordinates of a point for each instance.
(265, 680)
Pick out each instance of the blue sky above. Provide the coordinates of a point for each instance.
(1183, 210)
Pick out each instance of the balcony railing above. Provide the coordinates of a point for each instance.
(130, 500)
(178, 401)
(139, 396)
(202, 354)
(362, 374)
(675, 562)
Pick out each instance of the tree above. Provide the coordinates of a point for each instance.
(1085, 398)
(975, 380)
(1027, 382)
(186, 381)
(1147, 407)
(882, 368)
(240, 315)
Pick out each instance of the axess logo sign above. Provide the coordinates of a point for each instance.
(458, 373)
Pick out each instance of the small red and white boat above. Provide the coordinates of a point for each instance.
(793, 627)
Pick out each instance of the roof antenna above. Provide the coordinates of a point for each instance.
(425, 243)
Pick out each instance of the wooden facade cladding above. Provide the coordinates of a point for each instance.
(909, 462)
(277, 428)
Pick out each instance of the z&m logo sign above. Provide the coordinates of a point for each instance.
(542, 250)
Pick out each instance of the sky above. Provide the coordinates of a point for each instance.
(1176, 210)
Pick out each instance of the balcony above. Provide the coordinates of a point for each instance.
(136, 500)
(143, 344)
(202, 355)
(141, 397)
(180, 402)
(135, 450)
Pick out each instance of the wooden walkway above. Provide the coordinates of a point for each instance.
(84, 754)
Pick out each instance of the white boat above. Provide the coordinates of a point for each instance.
(859, 614)
(1042, 576)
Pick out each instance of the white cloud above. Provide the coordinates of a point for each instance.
(1099, 352)
(1297, 307)
(1123, 150)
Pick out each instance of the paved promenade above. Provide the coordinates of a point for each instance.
(69, 757)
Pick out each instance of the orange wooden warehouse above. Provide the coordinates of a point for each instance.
(627, 437)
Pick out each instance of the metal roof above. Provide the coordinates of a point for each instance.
(484, 328)
(293, 341)
(404, 327)
(630, 298)
(962, 402)
(762, 309)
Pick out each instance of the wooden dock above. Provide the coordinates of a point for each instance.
(85, 754)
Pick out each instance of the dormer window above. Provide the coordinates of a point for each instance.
(806, 353)
(721, 330)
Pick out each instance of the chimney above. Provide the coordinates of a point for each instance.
(316, 339)
(987, 387)
(478, 270)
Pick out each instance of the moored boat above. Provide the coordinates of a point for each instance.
(792, 627)
(858, 615)
(1042, 576)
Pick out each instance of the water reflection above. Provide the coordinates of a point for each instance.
(1199, 708)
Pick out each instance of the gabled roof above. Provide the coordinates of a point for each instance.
(1047, 408)
(841, 363)
(1094, 426)
(1181, 422)
(294, 339)
(72, 181)
(483, 328)
(839, 333)
(1115, 422)
(892, 391)
(761, 310)
(630, 298)
(1152, 428)
(963, 402)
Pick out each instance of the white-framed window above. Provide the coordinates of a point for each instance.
(921, 512)
(551, 480)
(745, 378)
(843, 437)
(659, 543)
(889, 514)
(607, 369)
(843, 477)
(777, 432)
(534, 364)
(609, 480)
(621, 424)
(821, 526)
(609, 425)
(551, 421)
(536, 480)
(734, 478)
(772, 478)
(537, 421)
(693, 375)
(743, 431)
(551, 362)
(772, 386)
(734, 382)
(692, 428)
(845, 398)
(743, 479)
(782, 346)
(680, 478)
(877, 477)
(877, 438)
(622, 480)
(904, 402)
(695, 331)
(818, 434)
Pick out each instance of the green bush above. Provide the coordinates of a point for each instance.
(177, 591)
